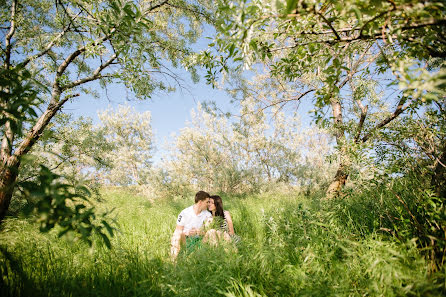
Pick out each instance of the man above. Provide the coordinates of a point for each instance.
(189, 224)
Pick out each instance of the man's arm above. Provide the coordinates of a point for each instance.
(176, 241)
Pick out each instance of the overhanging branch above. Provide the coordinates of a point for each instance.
(399, 110)
(96, 75)
(49, 46)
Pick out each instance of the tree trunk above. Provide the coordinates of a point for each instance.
(8, 177)
(10, 168)
(341, 175)
(338, 182)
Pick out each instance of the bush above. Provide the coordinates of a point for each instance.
(403, 208)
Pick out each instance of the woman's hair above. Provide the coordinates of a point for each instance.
(218, 206)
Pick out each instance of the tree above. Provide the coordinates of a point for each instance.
(72, 148)
(250, 154)
(417, 146)
(118, 150)
(342, 53)
(52, 49)
(129, 133)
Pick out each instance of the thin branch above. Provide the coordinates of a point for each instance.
(10, 34)
(62, 67)
(361, 120)
(206, 16)
(158, 5)
(329, 24)
(284, 101)
(375, 36)
(70, 19)
(94, 76)
(79, 51)
(48, 47)
(398, 110)
(68, 97)
(432, 50)
(375, 18)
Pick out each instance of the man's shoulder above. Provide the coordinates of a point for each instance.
(187, 209)
(184, 215)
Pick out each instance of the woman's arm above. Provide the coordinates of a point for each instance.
(230, 224)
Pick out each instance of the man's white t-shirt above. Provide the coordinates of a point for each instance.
(189, 220)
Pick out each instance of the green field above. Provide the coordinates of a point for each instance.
(291, 246)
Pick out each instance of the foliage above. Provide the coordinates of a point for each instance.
(53, 49)
(19, 89)
(71, 148)
(59, 204)
(116, 151)
(248, 155)
(81, 153)
(416, 145)
(348, 56)
(409, 178)
(404, 207)
(305, 32)
(130, 134)
(291, 246)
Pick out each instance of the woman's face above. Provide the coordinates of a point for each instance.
(211, 205)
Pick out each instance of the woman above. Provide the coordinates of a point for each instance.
(221, 217)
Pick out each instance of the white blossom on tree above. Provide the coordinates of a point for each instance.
(130, 134)
(251, 154)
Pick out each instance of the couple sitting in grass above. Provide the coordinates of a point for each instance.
(206, 213)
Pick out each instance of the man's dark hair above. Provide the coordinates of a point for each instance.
(201, 195)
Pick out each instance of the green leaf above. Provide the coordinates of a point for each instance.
(105, 239)
(357, 14)
(108, 227)
(290, 6)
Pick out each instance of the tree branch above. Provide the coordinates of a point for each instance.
(357, 37)
(10, 35)
(361, 120)
(399, 110)
(49, 46)
(8, 138)
(94, 76)
(57, 90)
(375, 18)
(295, 98)
(79, 51)
(158, 5)
(206, 16)
(8, 133)
(34, 134)
(329, 24)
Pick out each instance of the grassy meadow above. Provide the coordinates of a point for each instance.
(292, 245)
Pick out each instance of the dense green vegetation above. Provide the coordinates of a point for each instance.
(352, 206)
(292, 245)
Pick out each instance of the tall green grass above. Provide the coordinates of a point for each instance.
(291, 246)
